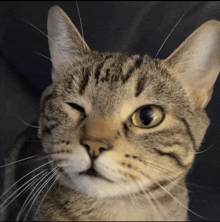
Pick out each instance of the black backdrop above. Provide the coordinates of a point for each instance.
(132, 27)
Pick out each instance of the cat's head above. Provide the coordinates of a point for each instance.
(117, 123)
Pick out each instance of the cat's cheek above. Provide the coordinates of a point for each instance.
(106, 166)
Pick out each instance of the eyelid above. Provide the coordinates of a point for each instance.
(77, 107)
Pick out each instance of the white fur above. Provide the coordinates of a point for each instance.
(98, 187)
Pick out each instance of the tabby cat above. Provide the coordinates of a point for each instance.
(117, 133)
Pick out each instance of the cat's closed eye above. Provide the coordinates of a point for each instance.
(77, 107)
(148, 116)
(76, 111)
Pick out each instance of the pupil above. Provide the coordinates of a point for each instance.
(146, 116)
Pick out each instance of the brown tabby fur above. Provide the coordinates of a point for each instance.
(144, 169)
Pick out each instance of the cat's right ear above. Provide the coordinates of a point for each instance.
(65, 42)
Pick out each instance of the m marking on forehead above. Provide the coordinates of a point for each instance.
(136, 65)
(99, 68)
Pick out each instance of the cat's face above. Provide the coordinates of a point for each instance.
(131, 119)
(117, 124)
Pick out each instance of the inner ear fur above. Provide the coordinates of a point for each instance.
(65, 42)
(196, 63)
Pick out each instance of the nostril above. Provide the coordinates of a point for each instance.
(86, 146)
(93, 147)
(101, 149)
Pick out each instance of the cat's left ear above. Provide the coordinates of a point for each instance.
(196, 63)
(65, 42)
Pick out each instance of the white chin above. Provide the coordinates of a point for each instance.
(98, 187)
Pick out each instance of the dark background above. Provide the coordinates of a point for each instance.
(132, 27)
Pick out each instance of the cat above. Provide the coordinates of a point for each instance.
(117, 133)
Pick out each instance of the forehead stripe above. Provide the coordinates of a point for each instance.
(136, 65)
(99, 68)
(140, 85)
(84, 81)
(189, 132)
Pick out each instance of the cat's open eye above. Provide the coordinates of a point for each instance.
(148, 116)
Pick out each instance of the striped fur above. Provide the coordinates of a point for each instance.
(109, 168)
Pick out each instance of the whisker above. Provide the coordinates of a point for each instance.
(199, 186)
(37, 159)
(148, 198)
(183, 188)
(158, 204)
(80, 19)
(150, 178)
(24, 204)
(20, 211)
(204, 150)
(40, 189)
(170, 33)
(42, 55)
(38, 141)
(55, 152)
(24, 177)
(137, 203)
(29, 198)
(27, 123)
(151, 196)
(46, 195)
(33, 160)
(160, 168)
(35, 156)
(155, 166)
(49, 39)
(17, 191)
(164, 169)
(23, 191)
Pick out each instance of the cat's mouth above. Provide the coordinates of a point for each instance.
(93, 173)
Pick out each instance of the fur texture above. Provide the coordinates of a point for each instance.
(101, 161)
